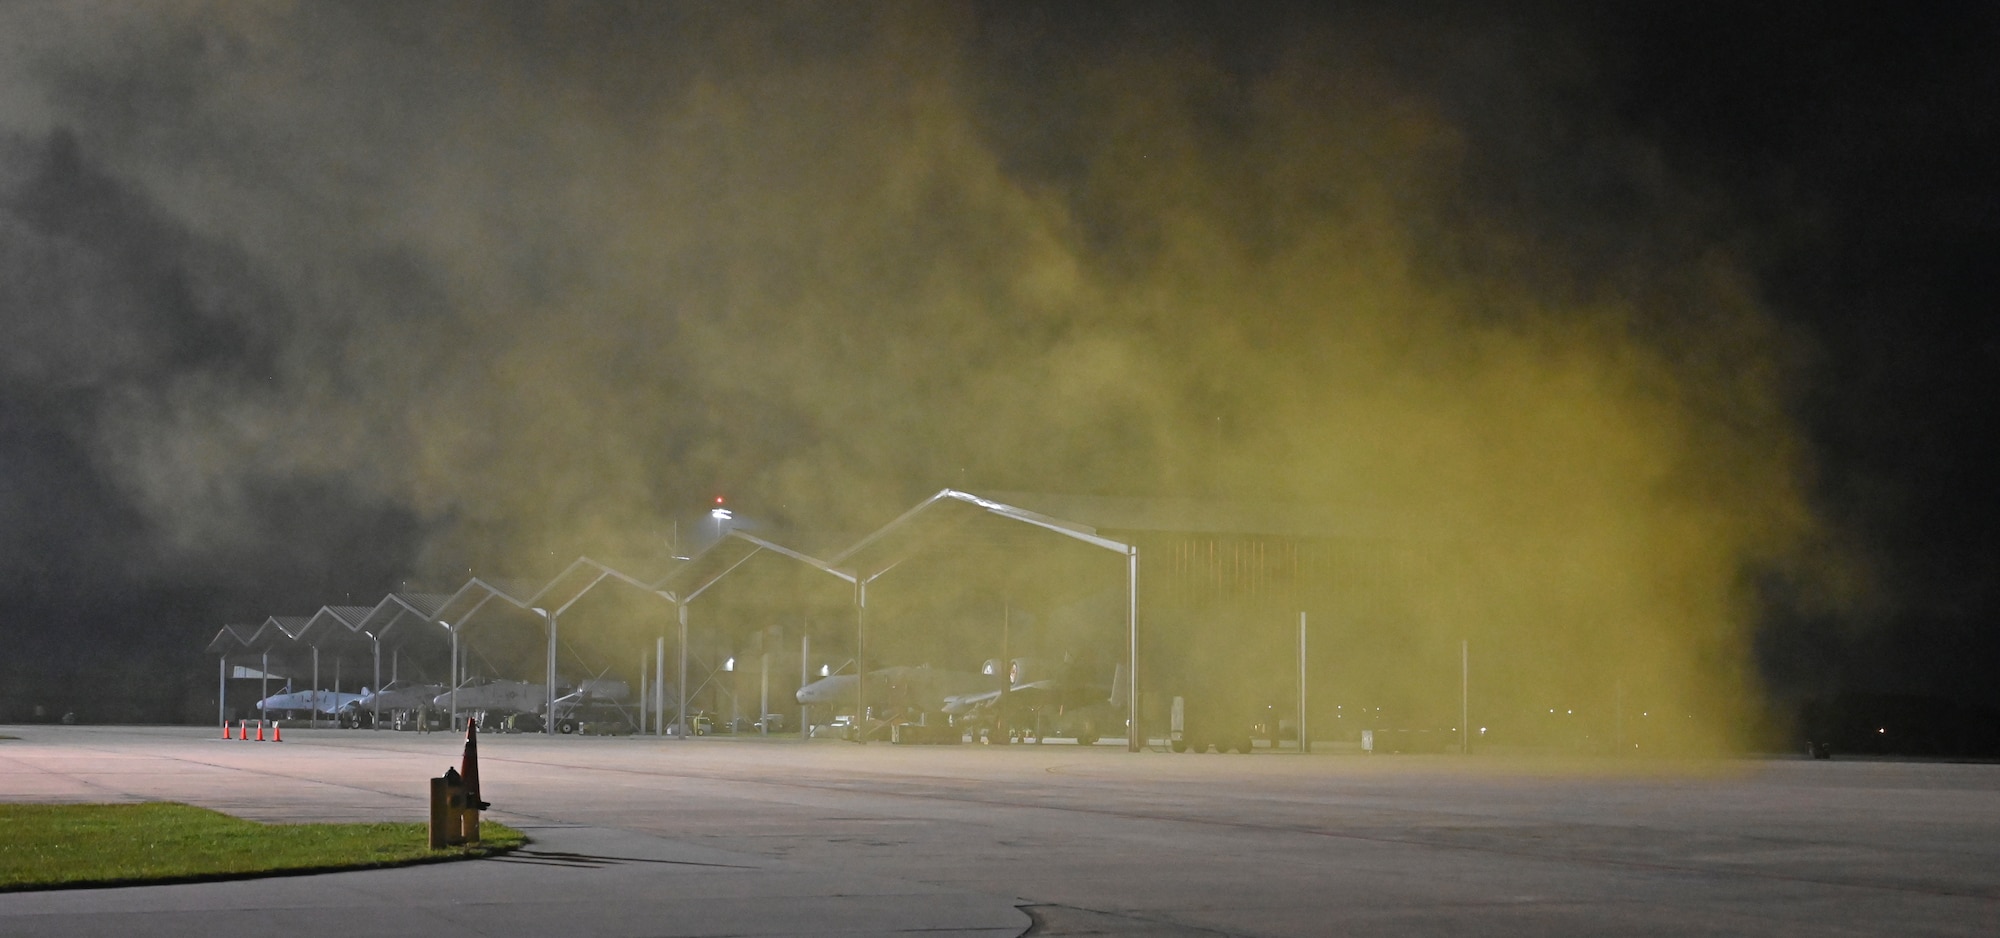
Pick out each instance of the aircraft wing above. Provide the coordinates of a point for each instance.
(967, 703)
(896, 688)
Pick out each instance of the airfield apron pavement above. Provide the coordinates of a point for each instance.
(641, 837)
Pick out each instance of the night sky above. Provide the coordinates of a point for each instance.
(306, 303)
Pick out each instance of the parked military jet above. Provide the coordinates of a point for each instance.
(496, 696)
(603, 689)
(323, 701)
(400, 695)
(592, 701)
(920, 688)
(1071, 705)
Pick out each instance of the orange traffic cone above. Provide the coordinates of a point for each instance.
(243, 730)
(260, 731)
(277, 732)
(468, 767)
(225, 729)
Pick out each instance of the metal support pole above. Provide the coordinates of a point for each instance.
(312, 711)
(1618, 716)
(1464, 697)
(645, 691)
(453, 718)
(660, 687)
(763, 692)
(549, 725)
(805, 677)
(1134, 735)
(682, 717)
(1006, 653)
(376, 722)
(264, 686)
(1305, 742)
(1009, 674)
(395, 664)
(861, 652)
(222, 690)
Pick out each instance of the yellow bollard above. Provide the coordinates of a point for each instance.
(447, 810)
(440, 800)
(455, 803)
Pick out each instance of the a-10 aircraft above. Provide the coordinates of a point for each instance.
(323, 701)
(591, 700)
(515, 696)
(1070, 705)
(523, 697)
(593, 692)
(400, 695)
(918, 687)
(987, 701)
(503, 696)
(1036, 693)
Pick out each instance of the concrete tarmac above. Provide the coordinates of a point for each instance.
(643, 837)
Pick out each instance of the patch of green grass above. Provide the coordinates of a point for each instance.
(55, 846)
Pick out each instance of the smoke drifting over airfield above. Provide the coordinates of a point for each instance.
(525, 282)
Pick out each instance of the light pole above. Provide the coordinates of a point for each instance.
(1305, 741)
(728, 686)
(376, 721)
(312, 712)
(681, 687)
(549, 619)
(453, 717)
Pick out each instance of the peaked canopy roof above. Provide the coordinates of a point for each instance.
(231, 639)
(401, 618)
(943, 519)
(951, 519)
